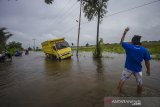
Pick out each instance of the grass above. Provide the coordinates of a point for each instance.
(13, 50)
(153, 48)
(115, 48)
(156, 57)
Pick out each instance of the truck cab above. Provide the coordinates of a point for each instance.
(57, 48)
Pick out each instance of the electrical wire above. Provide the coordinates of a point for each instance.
(122, 11)
(56, 16)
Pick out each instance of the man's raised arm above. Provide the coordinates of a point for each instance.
(124, 34)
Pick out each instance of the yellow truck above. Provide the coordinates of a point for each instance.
(57, 48)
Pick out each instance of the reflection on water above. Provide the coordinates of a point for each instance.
(57, 67)
(99, 64)
(33, 81)
(6, 79)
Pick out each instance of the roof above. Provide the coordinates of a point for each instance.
(53, 40)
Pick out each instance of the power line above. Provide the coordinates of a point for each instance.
(126, 10)
(67, 14)
(64, 13)
(34, 40)
(62, 9)
(70, 29)
(67, 11)
(122, 11)
(60, 21)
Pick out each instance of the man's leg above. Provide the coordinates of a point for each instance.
(120, 85)
(138, 77)
(125, 75)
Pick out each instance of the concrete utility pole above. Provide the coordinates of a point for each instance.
(79, 28)
(34, 40)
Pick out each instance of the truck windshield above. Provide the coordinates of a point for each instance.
(62, 45)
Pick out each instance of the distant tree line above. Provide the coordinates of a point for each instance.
(150, 41)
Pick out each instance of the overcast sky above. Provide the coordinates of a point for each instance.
(33, 19)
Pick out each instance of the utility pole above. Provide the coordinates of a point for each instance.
(34, 43)
(28, 47)
(79, 27)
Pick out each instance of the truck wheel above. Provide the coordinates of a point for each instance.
(58, 58)
(69, 57)
(47, 55)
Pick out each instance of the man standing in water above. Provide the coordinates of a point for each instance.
(135, 54)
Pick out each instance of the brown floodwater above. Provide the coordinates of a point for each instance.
(35, 81)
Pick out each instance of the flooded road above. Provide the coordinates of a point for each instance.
(35, 81)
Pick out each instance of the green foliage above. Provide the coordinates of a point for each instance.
(4, 36)
(86, 49)
(12, 50)
(38, 49)
(153, 48)
(49, 1)
(87, 44)
(156, 56)
(1, 48)
(115, 48)
(95, 8)
(30, 49)
(13, 46)
(91, 8)
(98, 51)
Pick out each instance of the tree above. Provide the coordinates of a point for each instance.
(49, 1)
(30, 49)
(13, 46)
(101, 47)
(4, 36)
(72, 44)
(87, 44)
(16, 45)
(46, 1)
(95, 8)
(38, 49)
(91, 9)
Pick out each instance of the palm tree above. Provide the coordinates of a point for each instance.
(91, 9)
(49, 1)
(95, 8)
(4, 36)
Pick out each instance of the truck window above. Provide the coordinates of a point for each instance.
(62, 45)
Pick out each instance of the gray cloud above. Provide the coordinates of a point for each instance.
(28, 19)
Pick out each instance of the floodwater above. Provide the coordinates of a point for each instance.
(35, 81)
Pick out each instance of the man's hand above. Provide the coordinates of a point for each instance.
(124, 34)
(148, 72)
(126, 30)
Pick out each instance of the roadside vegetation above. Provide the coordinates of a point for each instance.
(152, 46)
(11, 47)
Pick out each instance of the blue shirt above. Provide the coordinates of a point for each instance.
(134, 56)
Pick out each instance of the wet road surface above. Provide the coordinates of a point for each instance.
(35, 81)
